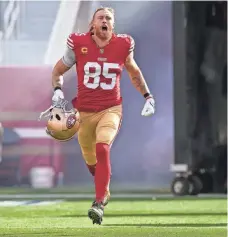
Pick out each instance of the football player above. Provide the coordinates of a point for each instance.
(100, 56)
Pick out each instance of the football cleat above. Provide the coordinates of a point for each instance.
(96, 212)
(106, 198)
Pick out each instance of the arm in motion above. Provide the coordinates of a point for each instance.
(136, 76)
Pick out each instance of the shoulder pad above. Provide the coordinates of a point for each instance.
(122, 35)
(80, 34)
(74, 38)
(129, 40)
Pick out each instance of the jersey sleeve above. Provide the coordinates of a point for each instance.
(69, 57)
(132, 44)
(70, 42)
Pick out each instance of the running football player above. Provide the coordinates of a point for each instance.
(100, 56)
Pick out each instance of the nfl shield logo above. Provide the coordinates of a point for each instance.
(101, 51)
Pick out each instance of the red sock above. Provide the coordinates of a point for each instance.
(103, 170)
(92, 169)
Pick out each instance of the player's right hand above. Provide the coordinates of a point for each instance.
(58, 95)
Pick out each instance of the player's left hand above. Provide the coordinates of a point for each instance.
(58, 95)
(149, 107)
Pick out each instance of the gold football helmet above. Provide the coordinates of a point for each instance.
(62, 124)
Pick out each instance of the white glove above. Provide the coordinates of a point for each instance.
(58, 95)
(149, 107)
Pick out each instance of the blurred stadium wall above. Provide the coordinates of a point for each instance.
(36, 36)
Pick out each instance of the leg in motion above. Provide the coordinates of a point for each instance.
(106, 131)
(87, 141)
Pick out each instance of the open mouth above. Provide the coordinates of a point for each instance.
(104, 28)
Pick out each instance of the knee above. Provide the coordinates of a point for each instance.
(106, 135)
(92, 169)
(102, 152)
(89, 157)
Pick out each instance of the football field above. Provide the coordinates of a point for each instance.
(141, 218)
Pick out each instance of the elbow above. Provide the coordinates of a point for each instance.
(135, 73)
(133, 70)
(59, 69)
(56, 72)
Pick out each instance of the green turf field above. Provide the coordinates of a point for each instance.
(158, 218)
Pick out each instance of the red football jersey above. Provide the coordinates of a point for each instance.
(99, 70)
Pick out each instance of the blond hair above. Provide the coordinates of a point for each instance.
(111, 10)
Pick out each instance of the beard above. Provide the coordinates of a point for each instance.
(103, 34)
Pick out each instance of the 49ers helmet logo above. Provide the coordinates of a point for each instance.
(71, 120)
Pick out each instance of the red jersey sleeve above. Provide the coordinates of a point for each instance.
(75, 39)
(131, 44)
(71, 41)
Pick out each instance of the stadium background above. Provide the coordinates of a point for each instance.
(36, 34)
(189, 128)
(181, 49)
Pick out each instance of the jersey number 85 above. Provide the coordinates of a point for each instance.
(99, 70)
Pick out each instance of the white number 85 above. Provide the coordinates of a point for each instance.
(96, 75)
